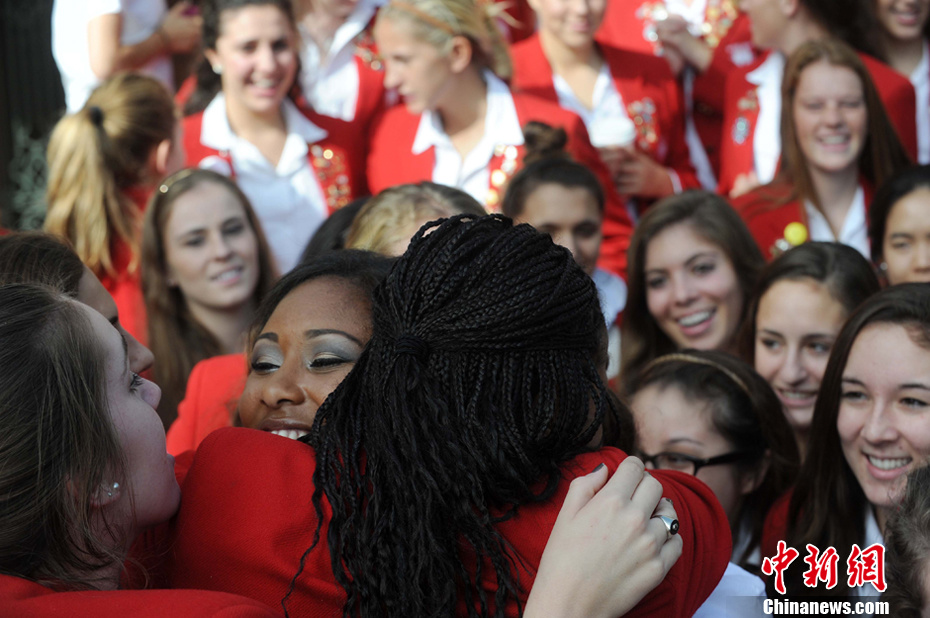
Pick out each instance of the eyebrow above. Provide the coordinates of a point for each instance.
(904, 386)
(316, 332)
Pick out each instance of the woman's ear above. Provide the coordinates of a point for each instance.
(161, 158)
(751, 479)
(789, 8)
(460, 55)
(105, 494)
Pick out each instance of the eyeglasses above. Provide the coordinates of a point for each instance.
(691, 465)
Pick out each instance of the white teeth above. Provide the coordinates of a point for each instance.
(889, 464)
(835, 139)
(695, 318)
(293, 434)
(228, 275)
(265, 83)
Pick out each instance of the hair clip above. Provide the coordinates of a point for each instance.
(96, 115)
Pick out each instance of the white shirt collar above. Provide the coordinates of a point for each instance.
(501, 119)
(216, 133)
(769, 72)
(854, 232)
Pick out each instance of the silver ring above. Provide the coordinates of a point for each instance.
(671, 525)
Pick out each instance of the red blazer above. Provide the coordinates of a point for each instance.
(647, 87)
(328, 158)
(213, 391)
(768, 213)
(247, 518)
(741, 112)
(775, 527)
(25, 599)
(392, 162)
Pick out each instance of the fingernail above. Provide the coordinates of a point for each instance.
(599, 466)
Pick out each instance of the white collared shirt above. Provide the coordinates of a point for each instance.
(766, 139)
(611, 292)
(331, 83)
(873, 535)
(287, 198)
(501, 127)
(920, 79)
(854, 232)
(740, 594)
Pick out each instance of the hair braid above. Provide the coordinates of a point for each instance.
(478, 382)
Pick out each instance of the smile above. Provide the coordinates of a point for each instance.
(293, 434)
(797, 395)
(229, 275)
(695, 318)
(889, 464)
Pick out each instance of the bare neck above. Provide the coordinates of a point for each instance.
(228, 326)
(835, 192)
(250, 125)
(465, 104)
(904, 56)
(563, 58)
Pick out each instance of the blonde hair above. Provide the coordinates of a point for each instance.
(438, 21)
(96, 154)
(388, 217)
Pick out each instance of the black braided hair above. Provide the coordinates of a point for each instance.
(480, 379)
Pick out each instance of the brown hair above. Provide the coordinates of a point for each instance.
(712, 218)
(438, 21)
(882, 154)
(907, 542)
(59, 446)
(95, 156)
(177, 339)
(36, 257)
(828, 506)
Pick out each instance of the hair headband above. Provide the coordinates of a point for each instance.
(696, 360)
(422, 16)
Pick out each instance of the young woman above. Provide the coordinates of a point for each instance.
(205, 267)
(84, 466)
(35, 257)
(340, 71)
(104, 161)
(839, 146)
(390, 219)
(92, 42)
(754, 96)
(474, 398)
(692, 267)
(904, 29)
(460, 125)
(82, 520)
(871, 429)
(242, 124)
(316, 301)
(899, 227)
(606, 85)
(710, 415)
(562, 198)
(797, 308)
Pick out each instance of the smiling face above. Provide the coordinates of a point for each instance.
(419, 71)
(884, 415)
(256, 51)
(211, 251)
(309, 345)
(692, 291)
(132, 401)
(903, 20)
(906, 245)
(830, 117)
(569, 215)
(667, 420)
(796, 325)
(571, 22)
